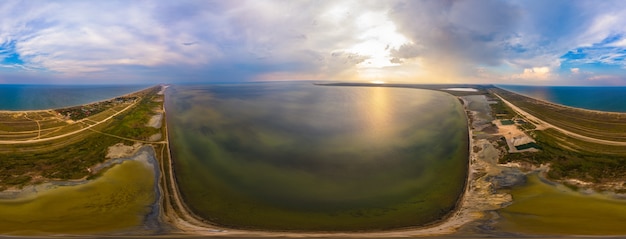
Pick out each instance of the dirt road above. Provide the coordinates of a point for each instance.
(67, 134)
(542, 124)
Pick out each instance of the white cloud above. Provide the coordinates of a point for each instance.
(602, 78)
(534, 73)
(245, 39)
(80, 37)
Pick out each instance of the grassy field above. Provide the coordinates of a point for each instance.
(595, 124)
(569, 157)
(70, 157)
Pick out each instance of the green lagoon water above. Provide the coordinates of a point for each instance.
(118, 200)
(294, 156)
(543, 209)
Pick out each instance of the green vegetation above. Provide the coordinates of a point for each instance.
(595, 124)
(84, 111)
(528, 146)
(114, 199)
(70, 157)
(132, 124)
(568, 157)
(582, 160)
(500, 110)
(524, 125)
(117, 200)
(507, 122)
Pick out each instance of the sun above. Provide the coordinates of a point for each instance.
(377, 82)
(378, 37)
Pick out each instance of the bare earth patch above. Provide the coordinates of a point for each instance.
(155, 137)
(155, 121)
(514, 136)
(121, 150)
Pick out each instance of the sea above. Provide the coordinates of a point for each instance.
(603, 98)
(39, 97)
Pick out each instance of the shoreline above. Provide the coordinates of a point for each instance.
(476, 211)
(545, 124)
(463, 213)
(171, 216)
(70, 106)
(562, 105)
(30, 191)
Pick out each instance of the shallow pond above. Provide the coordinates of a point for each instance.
(294, 156)
(543, 209)
(118, 200)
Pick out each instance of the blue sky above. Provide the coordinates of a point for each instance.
(437, 41)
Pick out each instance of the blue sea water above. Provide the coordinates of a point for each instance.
(605, 98)
(37, 97)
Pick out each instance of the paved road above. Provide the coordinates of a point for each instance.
(566, 132)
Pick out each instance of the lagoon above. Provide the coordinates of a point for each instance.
(294, 156)
(544, 208)
(123, 198)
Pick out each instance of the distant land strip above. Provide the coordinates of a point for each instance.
(545, 124)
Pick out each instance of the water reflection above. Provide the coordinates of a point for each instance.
(376, 111)
(296, 156)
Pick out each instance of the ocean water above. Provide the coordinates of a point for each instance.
(38, 97)
(294, 156)
(593, 98)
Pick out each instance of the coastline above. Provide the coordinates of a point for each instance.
(544, 124)
(477, 198)
(70, 106)
(562, 105)
(473, 212)
(113, 204)
(470, 205)
(31, 191)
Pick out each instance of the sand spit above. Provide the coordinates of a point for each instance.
(480, 195)
(163, 88)
(540, 124)
(461, 89)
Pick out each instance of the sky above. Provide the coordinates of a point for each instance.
(526, 42)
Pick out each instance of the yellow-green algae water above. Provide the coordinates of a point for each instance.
(117, 200)
(543, 209)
